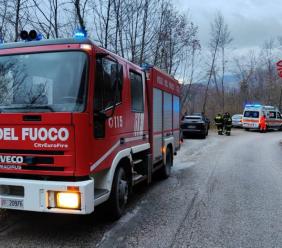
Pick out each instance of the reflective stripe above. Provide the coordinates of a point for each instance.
(108, 153)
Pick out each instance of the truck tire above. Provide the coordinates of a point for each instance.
(165, 170)
(119, 194)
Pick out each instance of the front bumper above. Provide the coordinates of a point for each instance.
(190, 130)
(33, 195)
(237, 124)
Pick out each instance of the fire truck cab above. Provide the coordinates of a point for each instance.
(80, 126)
(253, 112)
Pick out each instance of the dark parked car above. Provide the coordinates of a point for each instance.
(194, 124)
(206, 119)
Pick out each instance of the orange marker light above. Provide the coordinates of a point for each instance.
(86, 47)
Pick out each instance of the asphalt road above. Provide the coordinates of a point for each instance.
(223, 192)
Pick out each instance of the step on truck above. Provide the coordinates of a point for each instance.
(80, 126)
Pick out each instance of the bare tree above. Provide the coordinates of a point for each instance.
(216, 32)
(17, 18)
(245, 72)
(46, 17)
(267, 61)
(225, 40)
(185, 92)
(3, 18)
(80, 11)
(175, 35)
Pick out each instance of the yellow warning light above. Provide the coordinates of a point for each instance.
(69, 200)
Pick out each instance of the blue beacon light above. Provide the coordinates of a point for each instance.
(80, 34)
(253, 105)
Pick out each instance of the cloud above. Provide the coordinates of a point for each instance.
(250, 22)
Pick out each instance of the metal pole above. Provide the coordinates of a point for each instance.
(280, 99)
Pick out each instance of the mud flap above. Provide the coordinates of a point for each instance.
(149, 166)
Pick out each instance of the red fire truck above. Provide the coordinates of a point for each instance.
(80, 126)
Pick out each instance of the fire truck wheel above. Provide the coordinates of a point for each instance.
(166, 169)
(119, 194)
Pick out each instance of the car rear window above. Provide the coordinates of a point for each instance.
(193, 118)
(251, 114)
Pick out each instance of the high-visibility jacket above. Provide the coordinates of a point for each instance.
(262, 122)
(218, 120)
(227, 121)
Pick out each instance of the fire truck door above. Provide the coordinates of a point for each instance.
(108, 94)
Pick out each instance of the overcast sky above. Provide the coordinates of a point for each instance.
(250, 21)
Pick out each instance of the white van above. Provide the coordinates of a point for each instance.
(253, 112)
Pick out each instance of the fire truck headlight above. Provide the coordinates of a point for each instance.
(70, 200)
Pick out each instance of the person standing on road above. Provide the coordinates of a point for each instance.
(227, 120)
(262, 123)
(219, 123)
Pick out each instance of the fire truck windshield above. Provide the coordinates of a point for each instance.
(43, 82)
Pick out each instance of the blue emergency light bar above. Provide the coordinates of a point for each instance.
(146, 66)
(253, 105)
(80, 34)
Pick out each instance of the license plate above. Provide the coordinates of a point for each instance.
(191, 126)
(11, 203)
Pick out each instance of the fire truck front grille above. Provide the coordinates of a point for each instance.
(38, 160)
(43, 168)
(32, 152)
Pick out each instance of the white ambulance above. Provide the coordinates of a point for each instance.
(253, 112)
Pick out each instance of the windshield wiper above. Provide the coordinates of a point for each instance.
(42, 107)
(29, 107)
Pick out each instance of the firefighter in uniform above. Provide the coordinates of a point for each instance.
(227, 120)
(219, 123)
